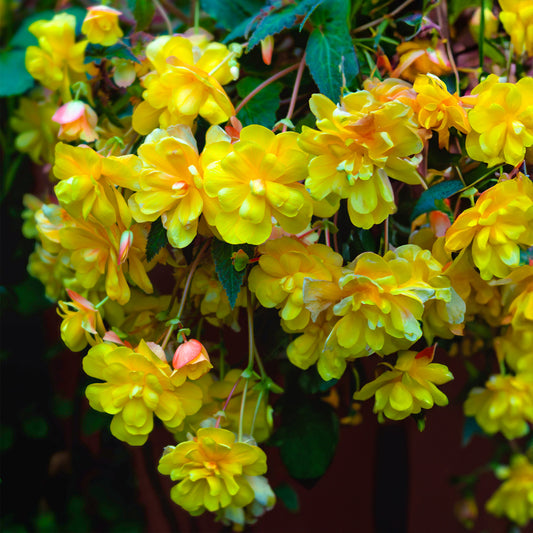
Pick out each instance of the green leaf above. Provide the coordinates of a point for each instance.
(262, 108)
(96, 52)
(157, 239)
(330, 53)
(143, 12)
(282, 17)
(231, 279)
(307, 437)
(35, 427)
(94, 421)
(231, 13)
(14, 78)
(442, 190)
(288, 497)
(470, 429)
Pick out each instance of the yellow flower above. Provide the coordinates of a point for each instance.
(37, 133)
(186, 82)
(77, 121)
(497, 225)
(520, 294)
(514, 498)
(81, 321)
(421, 56)
(278, 279)
(408, 387)
(101, 25)
(361, 144)
(58, 61)
(88, 183)
(438, 109)
(169, 184)
(137, 385)
(516, 348)
(501, 121)
(505, 404)
(212, 471)
(517, 19)
(254, 180)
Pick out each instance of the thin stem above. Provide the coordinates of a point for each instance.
(266, 83)
(257, 405)
(326, 233)
(377, 22)
(217, 425)
(295, 90)
(164, 15)
(176, 11)
(257, 357)
(386, 235)
(241, 414)
(442, 15)
(335, 240)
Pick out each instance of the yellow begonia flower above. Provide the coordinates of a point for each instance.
(169, 184)
(278, 279)
(421, 56)
(517, 19)
(391, 89)
(514, 498)
(501, 121)
(81, 322)
(186, 82)
(361, 144)
(438, 109)
(408, 387)
(58, 61)
(516, 348)
(137, 385)
(254, 180)
(101, 25)
(505, 404)
(520, 294)
(88, 183)
(212, 471)
(37, 133)
(497, 225)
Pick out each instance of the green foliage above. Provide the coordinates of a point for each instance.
(308, 435)
(262, 108)
(157, 239)
(429, 198)
(97, 52)
(230, 278)
(288, 496)
(14, 78)
(330, 53)
(230, 14)
(143, 12)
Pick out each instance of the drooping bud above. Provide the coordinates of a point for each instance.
(77, 121)
(126, 240)
(267, 47)
(192, 358)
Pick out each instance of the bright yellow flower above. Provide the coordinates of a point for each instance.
(438, 109)
(361, 144)
(278, 279)
(391, 89)
(101, 25)
(501, 121)
(137, 385)
(505, 404)
(421, 56)
(88, 183)
(520, 295)
(58, 61)
(111, 138)
(186, 82)
(37, 133)
(212, 471)
(514, 498)
(497, 225)
(253, 180)
(408, 387)
(169, 184)
(516, 348)
(517, 19)
(77, 121)
(81, 322)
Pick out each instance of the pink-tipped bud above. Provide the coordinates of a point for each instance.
(77, 121)
(192, 357)
(126, 240)
(267, 47)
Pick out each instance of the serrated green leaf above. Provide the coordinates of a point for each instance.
(307, 437)
(95, 52)
(262, 108)
(283, 17)
(288, 496)
(143, 12)
(231, 13)
(330, 53)
(230, 279)
(14, 78)
(442, 190)
(157, 239)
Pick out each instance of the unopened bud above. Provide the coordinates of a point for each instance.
(126, 240)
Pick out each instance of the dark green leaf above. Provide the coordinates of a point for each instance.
(30, 297)
(442, 190)
(526, 256)
(262, 108)
(311, 382)
(284, 16)
(62, 407)
(143, 12)
(35, 427)
(231, 279)
(94, 421)
(231, 13)
(14, 78)
(95, 52)
(157, 239)
(307, 437)
(288, 497)
(330, 53)
(470, 428)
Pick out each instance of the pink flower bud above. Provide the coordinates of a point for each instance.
(77, 121)
(126, 240)
(190, 352)
(267, 47)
